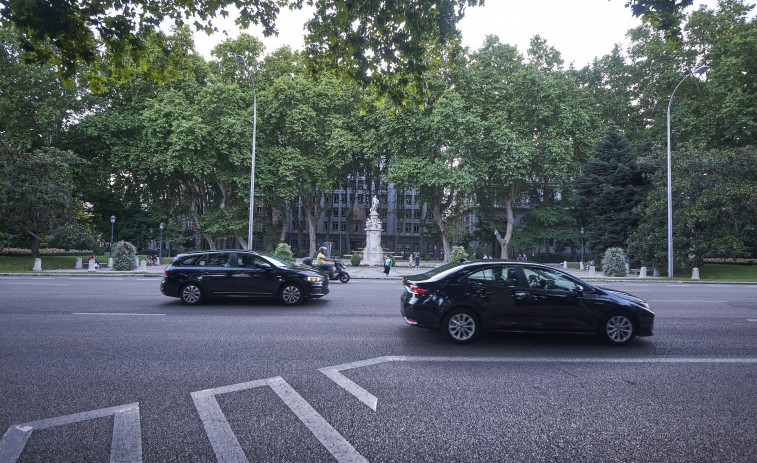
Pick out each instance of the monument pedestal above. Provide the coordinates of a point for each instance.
(373, 254)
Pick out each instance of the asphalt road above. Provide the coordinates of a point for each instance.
(108, 369)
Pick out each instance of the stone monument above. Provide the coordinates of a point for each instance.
(373, 254)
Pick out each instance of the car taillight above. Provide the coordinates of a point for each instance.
(417, 289)
(165, 271)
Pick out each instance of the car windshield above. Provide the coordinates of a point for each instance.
(277, 261)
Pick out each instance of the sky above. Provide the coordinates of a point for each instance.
(579, 29)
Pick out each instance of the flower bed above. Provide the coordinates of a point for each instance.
(729, 260)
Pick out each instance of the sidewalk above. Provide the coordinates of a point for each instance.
(362, 273)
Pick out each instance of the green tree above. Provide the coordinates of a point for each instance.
(34, 103)
(608, 189)
(714, 204)
(110, 40)
(36, 194)
(533, 125)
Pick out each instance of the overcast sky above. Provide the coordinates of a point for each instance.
(579, 29)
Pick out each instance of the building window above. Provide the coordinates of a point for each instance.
(336, 198)
(407, 228)
(417, 213)
(416, 228)
(408, 200)
(344, 226)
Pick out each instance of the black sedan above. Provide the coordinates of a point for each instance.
(465, 300)
(197, 276)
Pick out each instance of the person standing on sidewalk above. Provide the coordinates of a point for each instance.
(387, 264)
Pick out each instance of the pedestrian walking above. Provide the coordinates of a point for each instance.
(417, 260)
(387, 264)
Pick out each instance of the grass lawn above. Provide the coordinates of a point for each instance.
(728, 272)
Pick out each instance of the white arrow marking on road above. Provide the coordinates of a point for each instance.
(225, 443)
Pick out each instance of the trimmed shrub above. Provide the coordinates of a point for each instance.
(355, 259)
(124, 256)
(614, 262)
(458, 252)
(284, 251)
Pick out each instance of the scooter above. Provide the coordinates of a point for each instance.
(340, 270)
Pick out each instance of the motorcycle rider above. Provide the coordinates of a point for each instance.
(323, 262)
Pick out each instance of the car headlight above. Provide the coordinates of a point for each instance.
(314, 279)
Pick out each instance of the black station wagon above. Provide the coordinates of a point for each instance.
(199, 276)
(465, 300)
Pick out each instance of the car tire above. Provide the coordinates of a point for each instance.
(344, 277)
(461, 326)
(617, 328)
(191, 294)
(291, 294)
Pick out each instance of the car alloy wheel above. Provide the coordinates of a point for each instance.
(618, 329)
(461, 326)
(291, 294)
(191, 294)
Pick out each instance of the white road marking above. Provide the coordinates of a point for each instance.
(227, 447)
(126, 443)
(34, 283)
(371, 401)
(118, 313)
(751, 319)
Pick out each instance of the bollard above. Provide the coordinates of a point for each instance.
(695, 273)
(37, 265)
(565, 264)
(656, 272)
(91, 265)
(143, 266)
(110, 262)
(643, 272)
(592, 271)
(78, 263)
(581, 267)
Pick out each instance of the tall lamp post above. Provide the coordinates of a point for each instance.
(582, 245)
(240, 60)
(112, 221)
(698, 70)
(160, 252)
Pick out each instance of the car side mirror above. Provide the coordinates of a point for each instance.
(265, 266)
(579, 289)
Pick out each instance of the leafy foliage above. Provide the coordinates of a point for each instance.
(36, 194)
(458, 253)
(614, 262)
(355, 259)
(124, 256)
(284, 251)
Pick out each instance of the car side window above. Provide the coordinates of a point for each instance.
(486, 274)
(245, 260)
(509, 275)
(189, 261)
(219, 260)
(540, 278)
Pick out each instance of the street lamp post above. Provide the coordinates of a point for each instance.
(160, 252)
(698, 70)
(112, 221)
(240, 60)
(582, 246)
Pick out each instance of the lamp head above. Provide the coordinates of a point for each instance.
(240, 60)
(112, 219)
(700, 69)
(162, 225)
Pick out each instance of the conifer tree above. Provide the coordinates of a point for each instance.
(609, 187)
